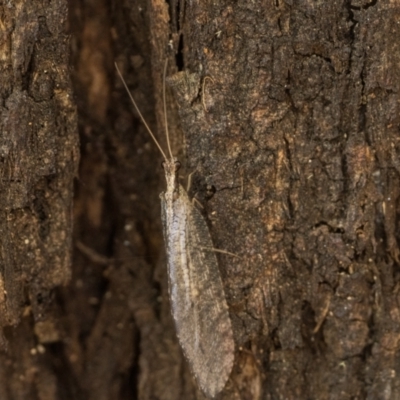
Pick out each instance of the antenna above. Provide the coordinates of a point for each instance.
(165, 110)
(141, 116)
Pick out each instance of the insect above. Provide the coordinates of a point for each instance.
(198, 303)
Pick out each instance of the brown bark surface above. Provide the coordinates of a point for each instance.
(291, 131)
(38, 162)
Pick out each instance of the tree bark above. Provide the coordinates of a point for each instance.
(38, 162)
(286, 113)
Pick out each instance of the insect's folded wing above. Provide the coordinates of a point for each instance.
(174, 227)
(197, 296)
(210, 340)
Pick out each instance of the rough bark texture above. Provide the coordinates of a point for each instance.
(38, 162)
(291, 127)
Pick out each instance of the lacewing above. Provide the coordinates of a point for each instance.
(197, 296)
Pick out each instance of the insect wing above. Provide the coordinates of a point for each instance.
(197, 297)
(174, 219)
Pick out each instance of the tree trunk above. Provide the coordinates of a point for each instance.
(38, 162)
(287, 116)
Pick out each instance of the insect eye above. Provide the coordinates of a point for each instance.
(177, 165)
(163, 164)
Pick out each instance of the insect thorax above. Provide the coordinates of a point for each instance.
(171, 168)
